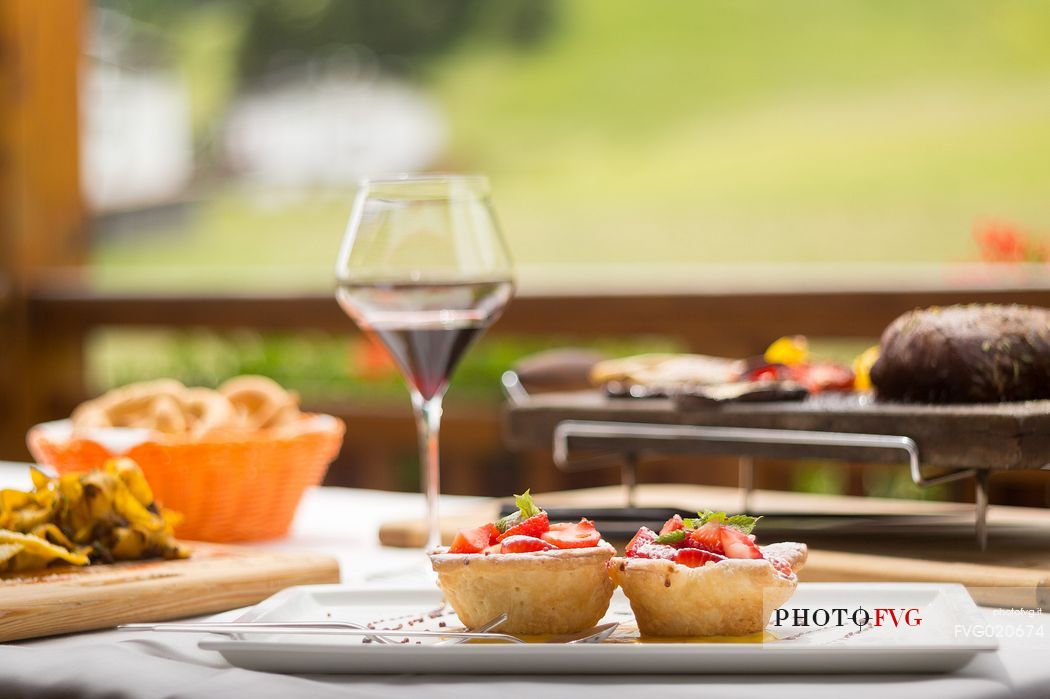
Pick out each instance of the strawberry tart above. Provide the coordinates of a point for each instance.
(706, 576)
(549, 578)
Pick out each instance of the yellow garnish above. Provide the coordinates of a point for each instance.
(862, 368)
(793, 349)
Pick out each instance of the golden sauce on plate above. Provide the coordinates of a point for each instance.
(758, 637)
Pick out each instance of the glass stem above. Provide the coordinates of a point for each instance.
(428, 425)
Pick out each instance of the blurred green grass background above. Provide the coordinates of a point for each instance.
(674, 132)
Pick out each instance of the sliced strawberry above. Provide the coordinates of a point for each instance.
(524, 544)
(474, 539)
(823, 376)
(573, 536)
(737, 544)
(694, 558)
(781, 566)
(534, 526)
(644, 536)
(673, 525)
(767, 372)
(661, 551)
(708, 537)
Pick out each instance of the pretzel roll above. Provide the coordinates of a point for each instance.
(165, 415)
(207, 410)
(128, 406)
(88, 416)
(287, 414)
(258, 401)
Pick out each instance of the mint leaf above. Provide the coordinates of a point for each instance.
(744, 523)
(526, 508)
(670, 537)
(709, 516)
(525, 505)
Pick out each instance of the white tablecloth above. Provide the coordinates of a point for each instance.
(344, 523)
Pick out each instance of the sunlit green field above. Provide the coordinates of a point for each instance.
(658, 132)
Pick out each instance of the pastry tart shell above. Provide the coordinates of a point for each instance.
(734, 597)
(545, 592)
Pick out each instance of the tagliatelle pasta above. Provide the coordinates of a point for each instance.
(80, 518)
(22, 552)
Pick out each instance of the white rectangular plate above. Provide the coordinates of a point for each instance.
(935, 644)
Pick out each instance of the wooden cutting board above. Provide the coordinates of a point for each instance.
(1014, 571)
(216, 578)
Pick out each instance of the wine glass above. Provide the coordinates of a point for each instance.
(424, 271)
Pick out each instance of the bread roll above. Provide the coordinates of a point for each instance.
(965, 354)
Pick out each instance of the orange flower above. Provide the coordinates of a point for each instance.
(1002, 241)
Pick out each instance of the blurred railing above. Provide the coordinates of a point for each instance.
(726, 323)
(58, 319)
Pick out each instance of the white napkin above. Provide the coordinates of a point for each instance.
(133, 669)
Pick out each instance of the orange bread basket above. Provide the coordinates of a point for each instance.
(233, 488)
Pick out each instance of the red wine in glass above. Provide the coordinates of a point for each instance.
(426, 328)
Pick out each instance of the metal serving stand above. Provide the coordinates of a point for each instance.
(624, 443)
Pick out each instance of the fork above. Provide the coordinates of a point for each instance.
(480, 628)
(239, 627)
(225, 627)
(344, 628)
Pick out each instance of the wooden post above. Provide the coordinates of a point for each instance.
(41, 211)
